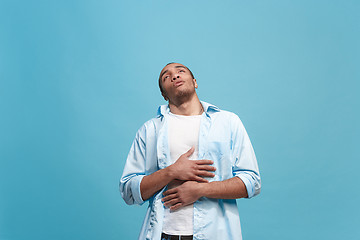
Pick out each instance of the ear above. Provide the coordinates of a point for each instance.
(195, 83)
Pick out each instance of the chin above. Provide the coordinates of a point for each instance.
(185, 94)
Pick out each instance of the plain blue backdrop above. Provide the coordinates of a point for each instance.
(78, 78)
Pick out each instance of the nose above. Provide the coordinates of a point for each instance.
(175, 77)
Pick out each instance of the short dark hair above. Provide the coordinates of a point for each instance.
(161, 89)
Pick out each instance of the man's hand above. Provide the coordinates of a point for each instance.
(190, 191)
(185, 194)
(185, 169)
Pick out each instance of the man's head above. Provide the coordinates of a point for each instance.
(176, 81)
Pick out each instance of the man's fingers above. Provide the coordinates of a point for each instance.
(171, 202)
(190, 152)
(207, 168)
(176, 206)
(200, 179)
(204, 162)
(206, 174)
(169, 197)
(170, 191)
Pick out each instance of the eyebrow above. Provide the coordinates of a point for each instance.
(163, 73)
(179, 66)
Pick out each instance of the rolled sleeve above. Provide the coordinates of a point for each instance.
(130, 190)
(134, 171)
(252, 185)
(245, 164)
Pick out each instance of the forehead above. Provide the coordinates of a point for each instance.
(170, 66)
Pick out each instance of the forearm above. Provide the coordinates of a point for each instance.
(183, 169)
(232, 188)
(154, 182)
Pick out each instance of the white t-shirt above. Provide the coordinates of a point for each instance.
(183, 134)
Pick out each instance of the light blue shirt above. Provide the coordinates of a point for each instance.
(223, 139)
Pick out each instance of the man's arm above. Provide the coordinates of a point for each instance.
(245, 183)
(182, 169)
(191, 191)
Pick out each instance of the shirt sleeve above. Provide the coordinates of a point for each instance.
(245, 165)
(134, 170)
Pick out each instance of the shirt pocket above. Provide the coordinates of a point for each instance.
(219, 152)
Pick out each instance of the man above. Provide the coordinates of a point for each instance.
(191, 163)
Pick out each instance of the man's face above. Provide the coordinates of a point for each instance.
(177, 82)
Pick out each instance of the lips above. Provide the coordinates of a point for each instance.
(178, 83)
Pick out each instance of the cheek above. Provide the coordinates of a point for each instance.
(166, 87)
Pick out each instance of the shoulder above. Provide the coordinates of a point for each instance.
(230, 119)
(151, 126)
(219, 113)
(154, 124)
(229, 116)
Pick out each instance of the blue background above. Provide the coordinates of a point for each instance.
(78, 78)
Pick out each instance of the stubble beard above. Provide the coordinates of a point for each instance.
(183, 96)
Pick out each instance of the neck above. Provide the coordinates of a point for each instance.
(188, 108)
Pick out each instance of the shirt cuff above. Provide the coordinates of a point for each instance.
(248, 184)
(135, 186)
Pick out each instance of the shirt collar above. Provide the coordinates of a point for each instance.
(208, 108)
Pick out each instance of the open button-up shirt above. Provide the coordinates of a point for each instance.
(223, 139)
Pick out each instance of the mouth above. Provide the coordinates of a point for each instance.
(178, 83)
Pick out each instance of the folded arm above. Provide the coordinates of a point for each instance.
(182, 169)
(245, 182)
(191, 191)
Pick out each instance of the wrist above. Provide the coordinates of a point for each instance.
(203, 189)
(170, 172)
